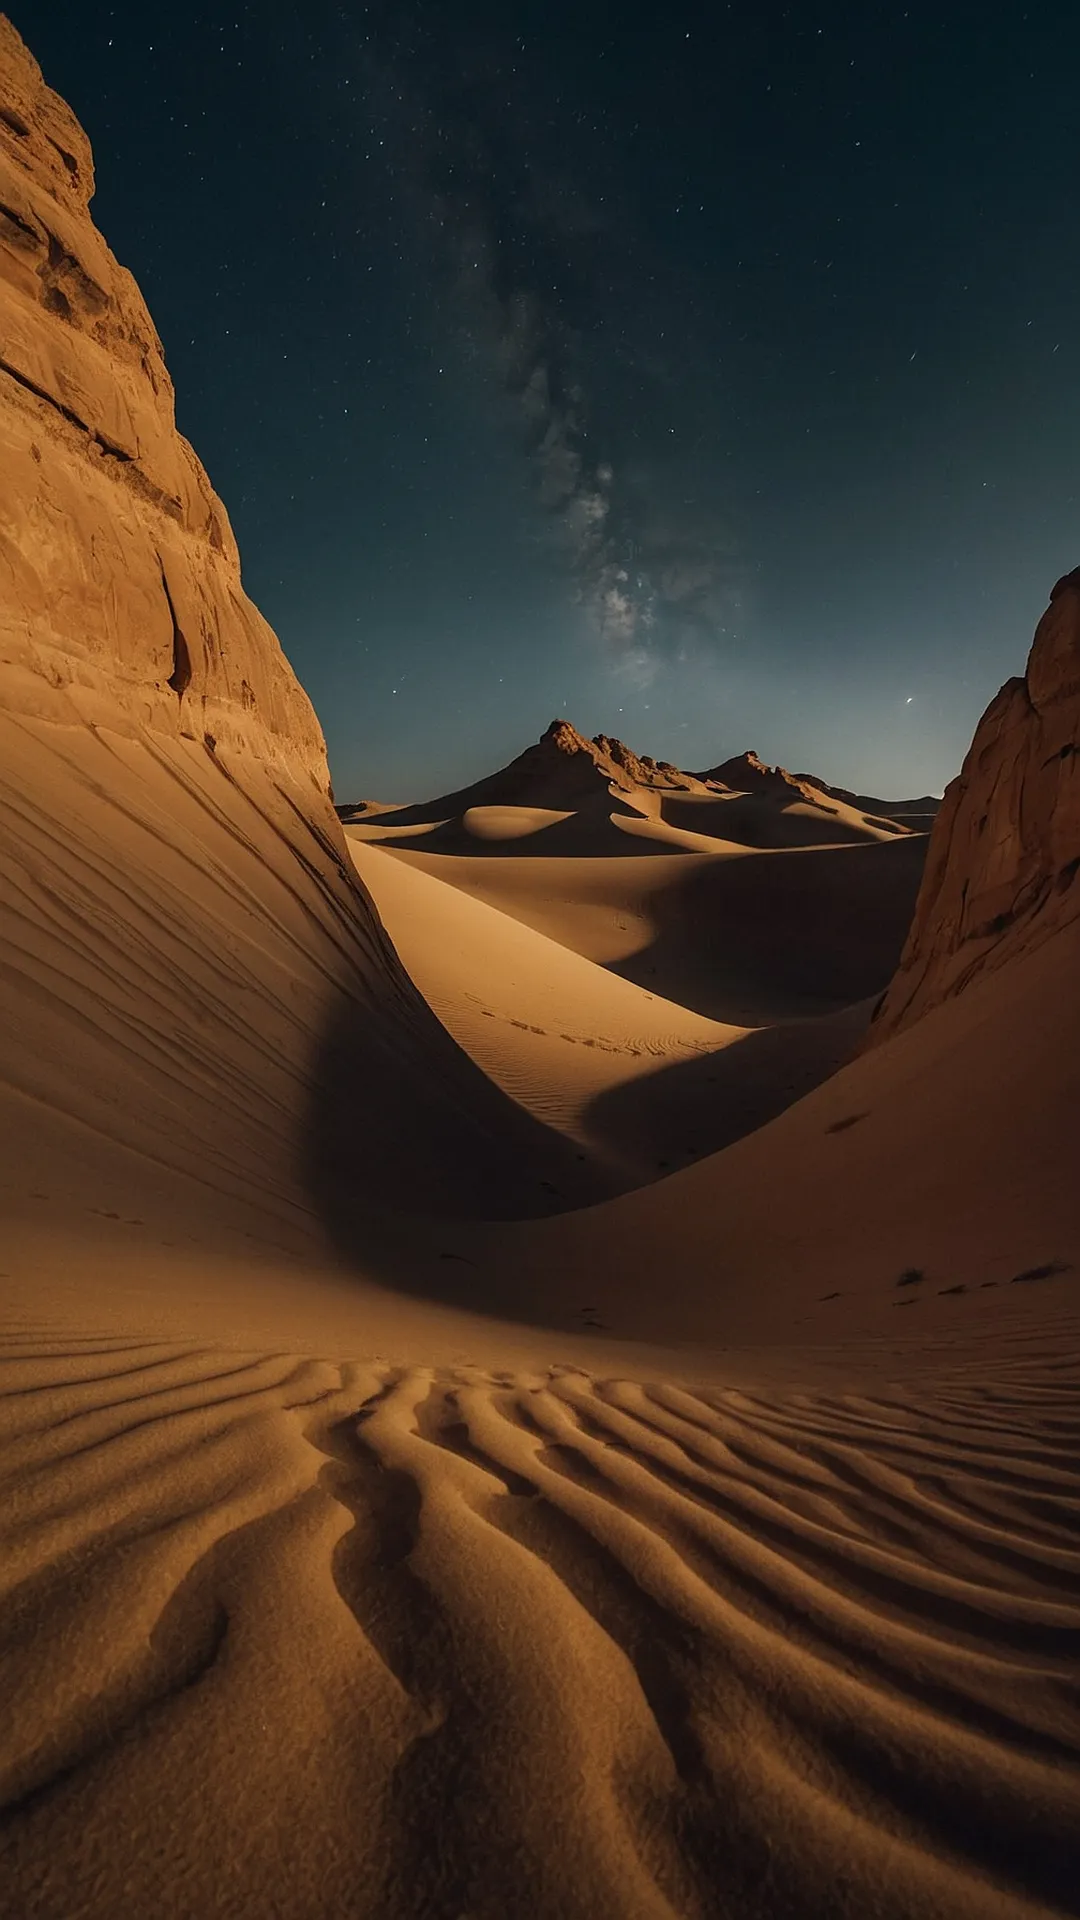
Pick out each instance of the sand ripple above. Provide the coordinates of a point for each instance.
(299, 1637)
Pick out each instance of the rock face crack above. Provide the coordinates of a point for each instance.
(67, 413)
(180, 677)
(17, 221)
(68, 159)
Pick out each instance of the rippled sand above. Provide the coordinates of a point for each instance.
(289, 1635)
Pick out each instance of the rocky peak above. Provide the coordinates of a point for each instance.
(1002, 870)
(611, 757)
(748, 773)
(565, 738)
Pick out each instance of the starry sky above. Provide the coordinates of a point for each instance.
(705, 374)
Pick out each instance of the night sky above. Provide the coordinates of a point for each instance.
(708, 375)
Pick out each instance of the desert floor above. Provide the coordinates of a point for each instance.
(570, 1527)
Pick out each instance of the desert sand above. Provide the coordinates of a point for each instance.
(527, 1387)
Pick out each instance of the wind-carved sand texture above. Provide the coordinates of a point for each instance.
(386, 1530)
(399, 1642)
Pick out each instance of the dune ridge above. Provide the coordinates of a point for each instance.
(641, 1080)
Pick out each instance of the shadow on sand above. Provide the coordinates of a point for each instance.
(410, 1148)
(691, 1108)
(786, 936)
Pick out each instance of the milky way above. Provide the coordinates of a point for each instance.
(708, 375)
(546, 279)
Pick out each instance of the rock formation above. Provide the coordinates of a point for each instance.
(642, 769)
(564, 769)
(122, 601)
(1001, 873)
(194, 982)
(603, 779)
(748, 773)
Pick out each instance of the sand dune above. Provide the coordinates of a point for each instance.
(743, 938)
(949, 1151)
(384, 1530)
(193, 974)
(570, 795)
(917, 813)
(593, 830)
(642, 1082)
(766, 820)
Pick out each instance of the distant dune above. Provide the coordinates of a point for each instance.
(570, 794)
(459, 1452)
(743, 935)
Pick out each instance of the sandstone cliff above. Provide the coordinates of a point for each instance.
(120, 594)
(1001, 874)
(195, 987)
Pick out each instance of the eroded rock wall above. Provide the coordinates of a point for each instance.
(1003, 872)
(120, 594)
(195, 991)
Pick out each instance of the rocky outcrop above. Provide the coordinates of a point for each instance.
(566, 771)
(120, 594)
(642, 769)
(748, 773)
(198, 1006)
(1004, 859)
(620, 764)
(563, 770)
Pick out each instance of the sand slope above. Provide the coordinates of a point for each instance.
(192, 974)
(950, 1150)
(641, 1081)
(742, 938)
